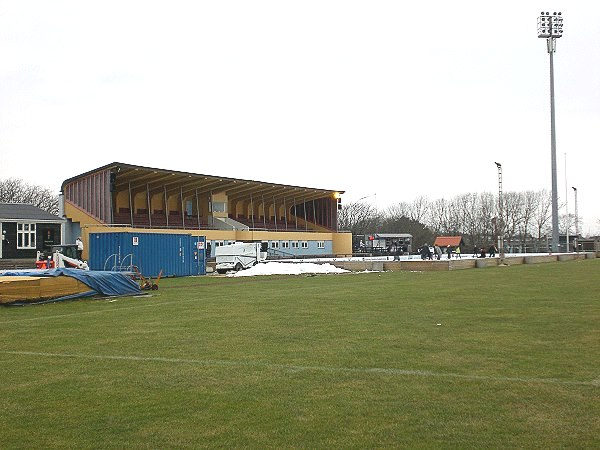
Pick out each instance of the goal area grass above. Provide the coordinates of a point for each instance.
(503, 357)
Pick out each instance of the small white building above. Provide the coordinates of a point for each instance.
(388, 242)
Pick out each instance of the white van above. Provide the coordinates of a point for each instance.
(238, 256)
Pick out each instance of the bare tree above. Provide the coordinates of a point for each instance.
(526, 215)
(487, 211)
(396, 220)
(455, 217)
(14, 190)
(530, 205)
(401, 209)
(419, 209)
(466, 208)
(439, 216)
(359, 218)
(513, 213)
(542, 213)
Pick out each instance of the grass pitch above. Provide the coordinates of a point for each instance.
(490, 358)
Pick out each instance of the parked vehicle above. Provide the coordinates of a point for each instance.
(238, 256)
(60, 256)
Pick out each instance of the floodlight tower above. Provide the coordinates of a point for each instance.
(576, 222)
(500, 220)
(550, 27)
(568, 225)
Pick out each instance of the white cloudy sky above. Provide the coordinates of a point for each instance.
(390, 98)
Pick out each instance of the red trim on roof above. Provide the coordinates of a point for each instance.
(445, 241)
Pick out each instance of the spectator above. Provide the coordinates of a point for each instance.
(398, 252)
(79, 243)
(425, 252)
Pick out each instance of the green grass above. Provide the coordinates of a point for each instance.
(328, 361)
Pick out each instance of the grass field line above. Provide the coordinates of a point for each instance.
(117, 308)
(296, 368)
(84, 313)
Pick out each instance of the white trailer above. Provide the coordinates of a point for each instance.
(238, 256)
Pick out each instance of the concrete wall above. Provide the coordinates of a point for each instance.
(456, 264)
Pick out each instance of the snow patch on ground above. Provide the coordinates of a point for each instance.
(281, 268)
(322, 266)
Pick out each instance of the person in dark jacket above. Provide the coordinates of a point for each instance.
(425, 252)
(492, 251)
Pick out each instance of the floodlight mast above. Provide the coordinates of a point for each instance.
(500, 219)
(576, 222)
(550, 27)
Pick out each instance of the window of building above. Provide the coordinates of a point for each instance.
(304, 244)
(320, 244)
(25, 235)
(218, 207)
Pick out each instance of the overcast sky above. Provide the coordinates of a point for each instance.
(390, 98)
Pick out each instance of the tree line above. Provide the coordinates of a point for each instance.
(527, 218)
(15, 190)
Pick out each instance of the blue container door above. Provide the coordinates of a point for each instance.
(198, 260)
(156, 252)
(110, 251)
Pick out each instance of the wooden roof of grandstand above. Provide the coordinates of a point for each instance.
(140, 178)
(445, 241)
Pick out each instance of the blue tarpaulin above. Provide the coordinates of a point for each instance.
(102, 283)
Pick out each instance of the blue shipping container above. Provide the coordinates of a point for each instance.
(175, 255)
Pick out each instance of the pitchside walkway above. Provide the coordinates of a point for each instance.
(417, 265)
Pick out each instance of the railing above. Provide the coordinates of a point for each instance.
(275, 253)
(119, 264)
(204, 226)
(377, 251)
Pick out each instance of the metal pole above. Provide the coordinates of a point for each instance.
(295, 214)
(275, 212)
(149, 205)
(264, 214)
(500, 221)
(555, 235)
(567, 205)
(550, 27)
(197, 208)
(182, 207)
(130, 205)
(252, 211)
(166, 206)
(305, 218)
(576, 223)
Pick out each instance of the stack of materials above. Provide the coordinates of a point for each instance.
(19, 287)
